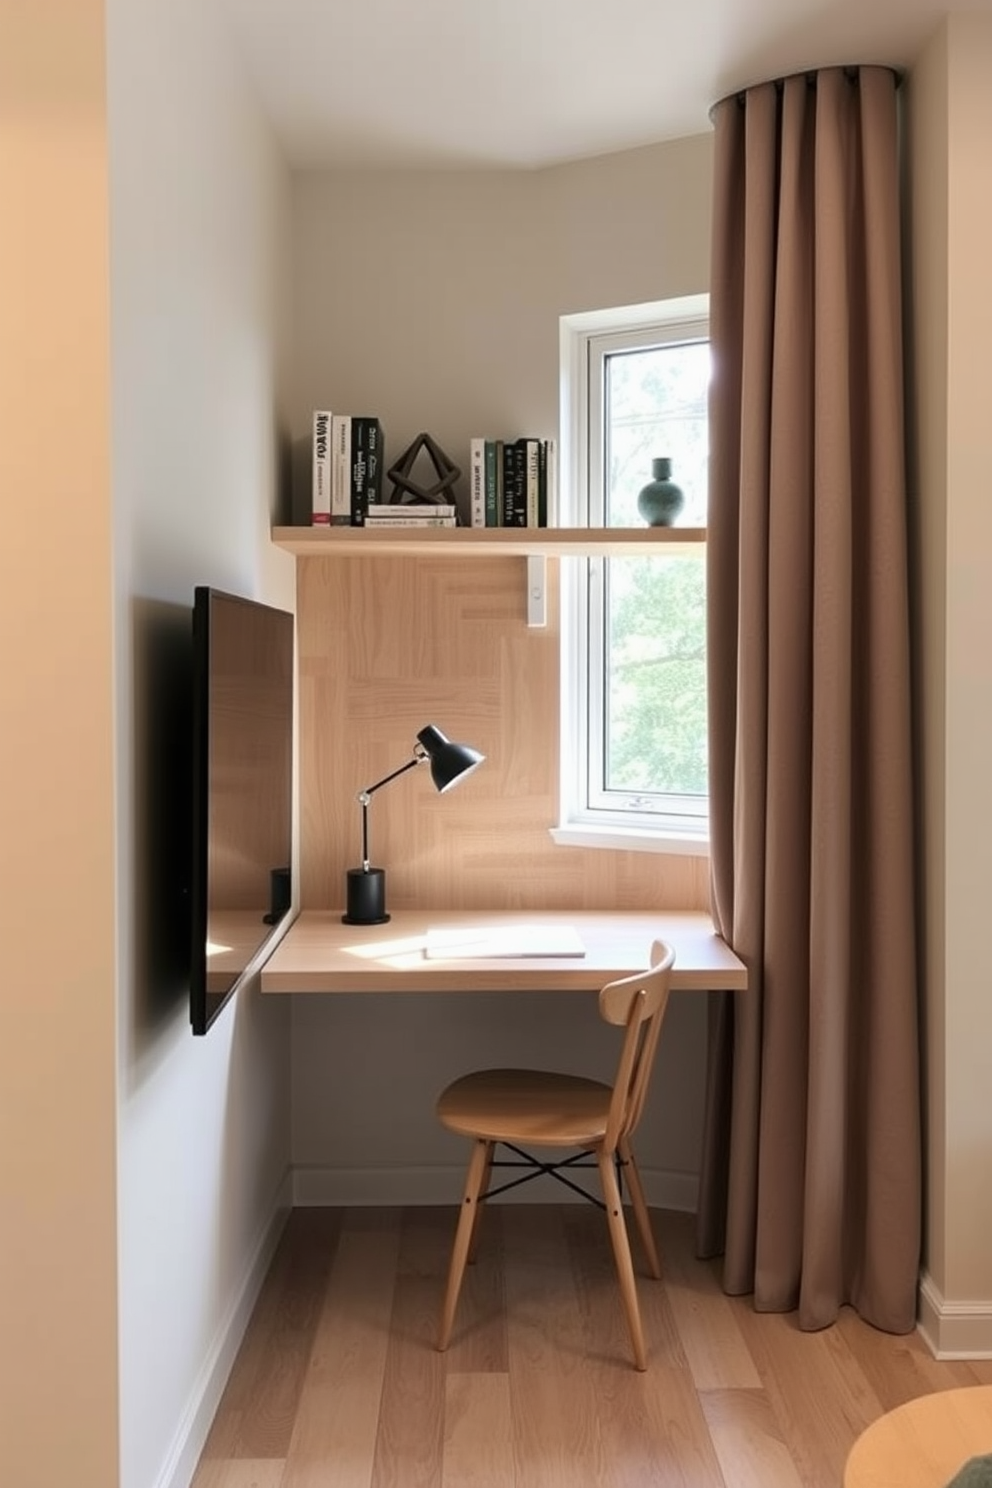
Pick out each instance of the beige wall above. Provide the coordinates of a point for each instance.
(58, 1214)
(433, 300)
(950, 114)
(143, 349)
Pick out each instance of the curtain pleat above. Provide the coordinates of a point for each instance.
(810, 1180)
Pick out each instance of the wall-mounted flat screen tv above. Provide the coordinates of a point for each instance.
(242, 793)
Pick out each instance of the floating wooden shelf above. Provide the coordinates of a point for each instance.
(548, 542)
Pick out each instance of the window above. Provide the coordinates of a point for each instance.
(633, 727)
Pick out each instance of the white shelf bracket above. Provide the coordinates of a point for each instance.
(537, 590)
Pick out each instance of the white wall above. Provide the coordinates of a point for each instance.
(968, 1011)
(433, 299)
(199, 217)
(950, 111)
(926, 255)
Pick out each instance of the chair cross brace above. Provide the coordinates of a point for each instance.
(552, 1169)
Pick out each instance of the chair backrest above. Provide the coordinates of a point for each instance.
(638, 1004)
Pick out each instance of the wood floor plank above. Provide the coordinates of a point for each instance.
(241, 1472)
(716, 1350)
(748, 1440)
(820, 1395)
(555, 1414)
(599, 1297)
(479, 1339)
(338, 1366)
(655, 1433)
(410, 1435)
(478, 1432)
(479, 1342)
(900, 1367)
(425, 1238)
(651, 1424)
(264, 1387)
(334, 1439)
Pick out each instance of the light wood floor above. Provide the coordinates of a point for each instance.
(338, 1385)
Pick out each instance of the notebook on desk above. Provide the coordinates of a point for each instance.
(475, 943)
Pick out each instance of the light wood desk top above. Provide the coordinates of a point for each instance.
(320, 954)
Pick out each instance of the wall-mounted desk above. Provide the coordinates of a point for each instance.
(320, 954)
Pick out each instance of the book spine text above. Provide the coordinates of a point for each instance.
(321, 487)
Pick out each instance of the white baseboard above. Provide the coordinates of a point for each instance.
(953, 1330)
(191, 1433)
(319, 1187)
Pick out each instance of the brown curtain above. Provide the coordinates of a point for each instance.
(812, 1150)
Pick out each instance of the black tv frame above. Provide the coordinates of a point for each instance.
(257, 687)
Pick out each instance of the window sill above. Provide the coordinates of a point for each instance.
(632, 839)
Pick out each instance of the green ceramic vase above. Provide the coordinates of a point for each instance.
(661, 500)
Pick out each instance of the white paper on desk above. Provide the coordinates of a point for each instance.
(474, 943)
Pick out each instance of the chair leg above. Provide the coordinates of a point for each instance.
(463, 1239)
(473, 1244)
(621, 1255)
(640, 1208)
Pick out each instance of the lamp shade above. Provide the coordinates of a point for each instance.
(450, 762)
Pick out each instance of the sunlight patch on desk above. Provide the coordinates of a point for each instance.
(401, 951)
(495, 942)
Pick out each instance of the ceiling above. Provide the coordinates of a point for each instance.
(529, 83)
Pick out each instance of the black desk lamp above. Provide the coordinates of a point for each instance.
(450, 763)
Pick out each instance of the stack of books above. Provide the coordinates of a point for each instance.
(512, 482)
(348, 462)
(411, 514)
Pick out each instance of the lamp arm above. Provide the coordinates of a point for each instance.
(420, 755)
(365, 796)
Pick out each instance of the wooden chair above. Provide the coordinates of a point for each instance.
(517, 1108)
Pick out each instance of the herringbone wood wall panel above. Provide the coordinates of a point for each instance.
(389, 644)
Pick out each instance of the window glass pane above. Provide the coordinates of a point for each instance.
(634, 724)
(655, 656)
(655, 404)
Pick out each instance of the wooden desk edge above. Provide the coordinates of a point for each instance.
(292, 967)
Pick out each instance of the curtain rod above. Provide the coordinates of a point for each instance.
(852, 71)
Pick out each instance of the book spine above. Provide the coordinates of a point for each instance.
(359, 470)
(477, 482)
(515, 488)
(542, 483)
(500, 473)
(412, 509)
(409, 522)
(341, 470)
(376, 458)
(532, 482)
(552, 515)
(509, 480)
(491, 504)
(321, 484)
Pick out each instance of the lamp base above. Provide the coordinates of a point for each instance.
(366, 897)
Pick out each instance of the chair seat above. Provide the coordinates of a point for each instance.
(527, 1106)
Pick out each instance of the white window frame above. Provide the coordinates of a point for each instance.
(584, 341)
